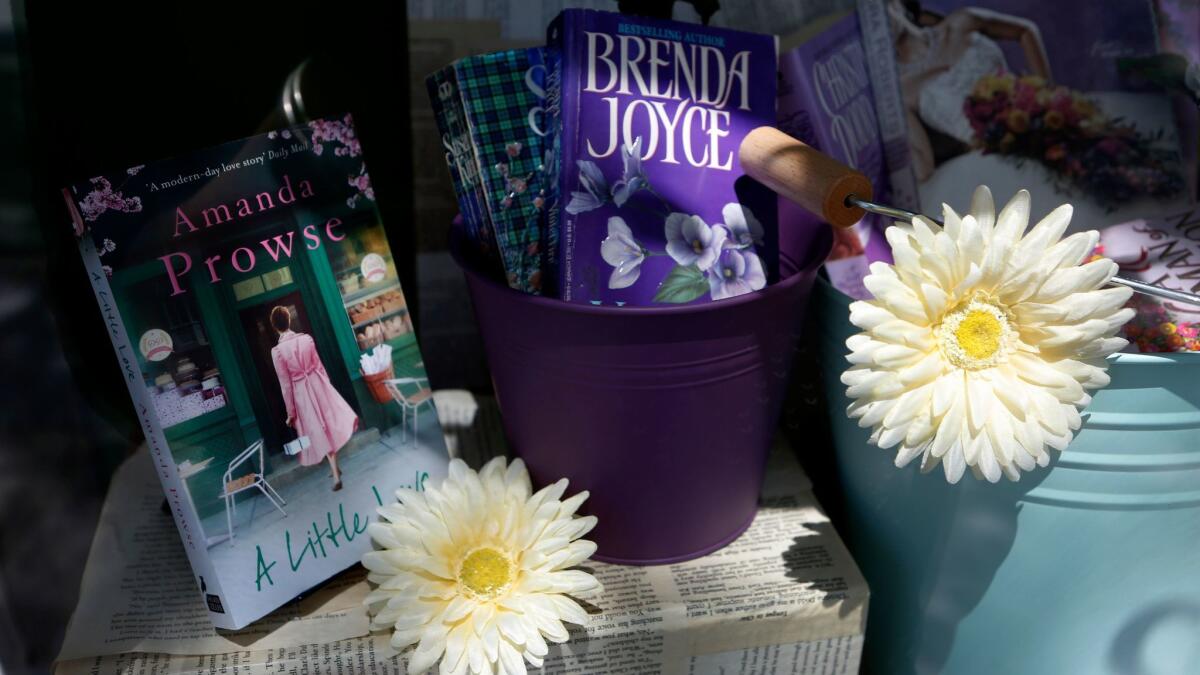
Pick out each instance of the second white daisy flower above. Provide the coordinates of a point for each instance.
(983, 340)
(477, 573)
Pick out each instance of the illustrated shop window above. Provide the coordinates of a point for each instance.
(261, 283)
(179, 369)
(366, 277)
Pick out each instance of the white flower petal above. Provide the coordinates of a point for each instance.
(874, 413)
(979, 402)
(983, 207)
(427, 653)
(954, 464)
(920, 430)
(1076, 279)
(890, 436)
(456, 649)
(511, 659)
(868, 315)
(1012, 220)
(1073, 250)
(969, 245)
(936, 301)
(1046, 232)
(908, 453)
(987, 460)
(950, 429)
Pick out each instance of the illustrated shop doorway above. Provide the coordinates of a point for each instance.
(289, 284)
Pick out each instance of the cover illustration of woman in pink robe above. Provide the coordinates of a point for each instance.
(315, 409)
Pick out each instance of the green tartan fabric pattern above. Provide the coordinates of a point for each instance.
(497, 103)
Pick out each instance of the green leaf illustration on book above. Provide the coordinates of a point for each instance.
(685, 283)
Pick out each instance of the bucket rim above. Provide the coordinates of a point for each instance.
(1124, 358)
(803, 274)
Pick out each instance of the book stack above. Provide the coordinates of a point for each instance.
(602, 168)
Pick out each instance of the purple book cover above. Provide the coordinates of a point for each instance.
(825, 100)
(655, 208)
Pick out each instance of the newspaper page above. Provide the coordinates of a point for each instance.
(785, 597)
(138, 592)
(368, 655)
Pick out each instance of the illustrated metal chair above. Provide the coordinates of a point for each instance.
(254, 479)
(418, 396)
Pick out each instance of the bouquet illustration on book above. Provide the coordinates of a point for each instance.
(242, 286)
(715, 260)
(1029, 118)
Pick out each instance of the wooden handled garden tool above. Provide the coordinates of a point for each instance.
(842, 196)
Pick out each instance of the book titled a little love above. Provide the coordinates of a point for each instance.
(241, 287)
(648, 116)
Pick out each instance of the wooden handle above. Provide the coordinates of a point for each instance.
(804, 175)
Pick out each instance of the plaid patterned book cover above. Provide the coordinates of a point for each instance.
(502, 97)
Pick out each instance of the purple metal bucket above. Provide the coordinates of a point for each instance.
(665, 415)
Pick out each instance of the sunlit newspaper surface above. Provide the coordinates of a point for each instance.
(784, 598)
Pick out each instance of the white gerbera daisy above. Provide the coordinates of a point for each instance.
(477, 573)
(981, 344)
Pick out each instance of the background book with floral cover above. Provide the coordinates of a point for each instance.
(242, 286)
(1030, 93)
(825, 100)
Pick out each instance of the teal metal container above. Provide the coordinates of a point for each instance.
(1089, 566)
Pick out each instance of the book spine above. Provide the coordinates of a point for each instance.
(564, 130)
(554, 139)
(469, 168)
(447, 105)
(441, 88)
(875, 28)
(551, 170)
(186, 519)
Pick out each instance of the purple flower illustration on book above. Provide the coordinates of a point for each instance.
(735, 272)
(743, 228)
(690, 241)
(623, 252)
(103, 198)
(716, 260)
(595, 189)
(632, 178)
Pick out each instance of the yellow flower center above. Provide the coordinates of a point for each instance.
(697, 246)
(979, 334)
(485, 573)
(976, 336)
